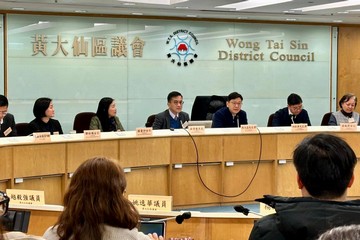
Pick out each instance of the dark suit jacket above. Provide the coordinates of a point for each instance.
(282, 118)
(162, 120)
(37, 125)
(223, 118)
(9, 121)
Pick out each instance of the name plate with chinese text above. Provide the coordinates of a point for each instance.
(151, 202)
(266, 209)
(26, 197)
(196, 129)
(348, 126)
(42, 137)
(146, 131)
(250, 128)
(92, 134)
(299, 127)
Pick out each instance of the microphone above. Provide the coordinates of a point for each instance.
(237, 120)
(179, 218)
(245, 211)
(292, 118)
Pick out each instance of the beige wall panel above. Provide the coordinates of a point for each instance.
(209, 149)
(229, 229)
(81, 151)
(6, 163)
(144, 152)
(40, 159)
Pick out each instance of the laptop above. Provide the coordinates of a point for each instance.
(153, 227)
(206, 123)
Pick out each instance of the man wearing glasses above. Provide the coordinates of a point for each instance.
(7, 121)
(173, 117)
(293, 113)
(231, 115)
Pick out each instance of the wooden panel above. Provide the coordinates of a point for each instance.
(352, 139)
(187, 188)
(193, 228)
(40, 221)
(37, 160)
(183, 149)
(248, 147)
(144, 152)
(222, 228)
(52, 187)
(152, 181)
(286, 184)
(81, 151)
(354, 191)
(286, 144)
(238, 177)
(6, 170)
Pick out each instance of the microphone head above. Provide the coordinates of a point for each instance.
(179, 219)
(242, 209)
(186, 215)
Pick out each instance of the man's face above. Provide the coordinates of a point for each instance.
(3, 111)
(234, 105)
(175, 104)
(295, 109)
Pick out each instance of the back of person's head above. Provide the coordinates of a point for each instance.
(172, 95)
(325, 164)
(294, 99)
(234, 95)
(40, 106)
(3, 101)
(346, 98)
(351, 232)
(95, 197)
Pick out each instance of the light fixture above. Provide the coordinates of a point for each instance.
(341, 4)
(80, 11)
(18, 8)
(137, 13)
(291, 19)
(159, 2)
(192, 16)
(252, 4)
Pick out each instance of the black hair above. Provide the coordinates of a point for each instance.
(344, 99)
(3, 101)
(294, 99)
(234, 95)
(172, 95)
(103, 112)
(40, 107)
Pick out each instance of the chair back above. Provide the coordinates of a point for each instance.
(23, 129)
(82, 121)
(150, 120)
(325, 119)
(270, 119)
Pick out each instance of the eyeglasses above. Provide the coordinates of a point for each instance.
(236, 103)
(4, 203)
(176, 102)
(350, 105)
(297, 107)
(3, 113)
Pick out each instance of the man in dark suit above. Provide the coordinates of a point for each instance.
(293, 113)
(173, 117)
(7, 121)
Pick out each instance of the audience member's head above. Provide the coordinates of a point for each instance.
(95, 197)
(351, 232)
(175, 102)
(43, 107)
(325, 164)
(234, 102)
(294, 102)
(348, 102)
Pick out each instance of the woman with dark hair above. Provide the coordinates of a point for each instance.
(95, 207)
(346, 114)
(44, 112)
(106, 119)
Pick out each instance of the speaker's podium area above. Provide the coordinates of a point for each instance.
(169, 163)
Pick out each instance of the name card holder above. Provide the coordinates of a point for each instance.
(42, 137)
(26, 197)
(154, 203)
(250, 128)
(299, 127)
(92, 134)
(196, 129)
(266, 209)
(145, 131)
(348, 126)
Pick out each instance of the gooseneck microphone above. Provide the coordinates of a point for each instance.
(246, 211)
(179, 218)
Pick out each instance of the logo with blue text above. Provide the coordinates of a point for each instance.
(182, 47)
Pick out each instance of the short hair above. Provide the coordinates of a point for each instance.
(95, 197)
(172, 95)
(40, 106)
(346, 98)
(234, 95)
(350, 232)
(3, 101)
(294, 99)
(325, 164)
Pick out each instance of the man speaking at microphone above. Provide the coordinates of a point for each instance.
(293, 113)
(231, 115)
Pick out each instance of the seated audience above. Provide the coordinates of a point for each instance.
(351, 232)
(173, 117)
(44, 112)
(346, 114)
(293, 113)
(95, 206)
(325, 170)
(7, 120)
(231, 115)
(105, 118)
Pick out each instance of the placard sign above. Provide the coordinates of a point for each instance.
(26, 197)
(92, 134)
(196, 129)
(151, 202)
(42, 137)
(348, 126)
(250, 128)
(299, 127)
(147, 131)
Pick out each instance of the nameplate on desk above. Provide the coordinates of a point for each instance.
(42, 137)
(250, 128)
(266, 209)
(299, 127)
(156, 203)
(348, 126)
(145, 131)
(92, 134)
(26, 197)
(196, 129)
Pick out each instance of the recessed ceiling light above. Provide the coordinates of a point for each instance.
(80, 11)
(345, 12)
(288, 11)
(129, 4)
(337, 21)
(190, 15)
(291, 19)
(252, 4)
(338, 4)
(18, 8)
(137, 13)
(243, 18)
(179, 7)
(161, 2)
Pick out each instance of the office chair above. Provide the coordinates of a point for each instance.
(82, 121)
(150, 120)
(325, 119)
(269, 124)
(22, 129)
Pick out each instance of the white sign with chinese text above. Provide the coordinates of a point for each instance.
(151, 202)
(26, 197)
(250, 128)
(42, 137)
(299, 127)
(348, 126)
(146, 131)
(92, 134)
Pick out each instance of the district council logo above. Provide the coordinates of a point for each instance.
(182, 47)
